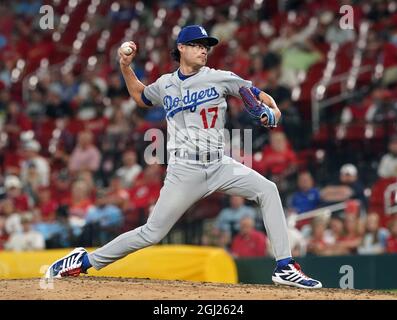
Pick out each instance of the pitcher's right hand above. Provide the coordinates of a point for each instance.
(126, 60)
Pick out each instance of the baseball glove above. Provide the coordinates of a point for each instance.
(256, 108)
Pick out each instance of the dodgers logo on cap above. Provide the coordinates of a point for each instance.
(203, 31)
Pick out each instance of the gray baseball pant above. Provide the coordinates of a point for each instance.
(185, 184)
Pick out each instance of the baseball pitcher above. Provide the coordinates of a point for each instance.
(193, 97)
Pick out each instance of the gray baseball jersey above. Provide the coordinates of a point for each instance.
(195, 108)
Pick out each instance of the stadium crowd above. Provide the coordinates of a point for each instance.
(72, 167)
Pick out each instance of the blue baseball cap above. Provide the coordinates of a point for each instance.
(193, 33)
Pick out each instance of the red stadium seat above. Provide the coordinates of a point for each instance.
(43, 132)
(207, 208)
(116, 34)
(305, 158)
(60, 9)
(76, 19)
(90, 45)
(344, 58)
(325, 134)
(351, 132)
(313, 76)
(104, 8)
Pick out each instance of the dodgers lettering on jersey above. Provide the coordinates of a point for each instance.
(195, 107)
(190, 101)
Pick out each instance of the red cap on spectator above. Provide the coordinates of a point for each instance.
(352, 207)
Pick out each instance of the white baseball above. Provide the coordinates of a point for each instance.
(126, 49)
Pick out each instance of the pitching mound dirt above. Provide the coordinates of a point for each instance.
(145, 289)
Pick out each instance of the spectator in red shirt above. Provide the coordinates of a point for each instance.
(358, 111)
(14, 192)
(60, 189)
(39, 48)
(391, 246)
(46, 205)
(147, 187)
(15, 122)
(59, 160)
(245, 34)
(80, 202)
(248, 242)
(12, 158)
(15, 49)
(7, 22)
(159, 68)
(279, 161)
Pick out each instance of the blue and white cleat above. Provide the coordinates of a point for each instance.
(292, 275)
(69, 265)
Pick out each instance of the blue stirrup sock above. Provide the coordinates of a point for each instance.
(283, 262)
(85, 264)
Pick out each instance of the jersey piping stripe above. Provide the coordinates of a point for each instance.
(146, 100)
